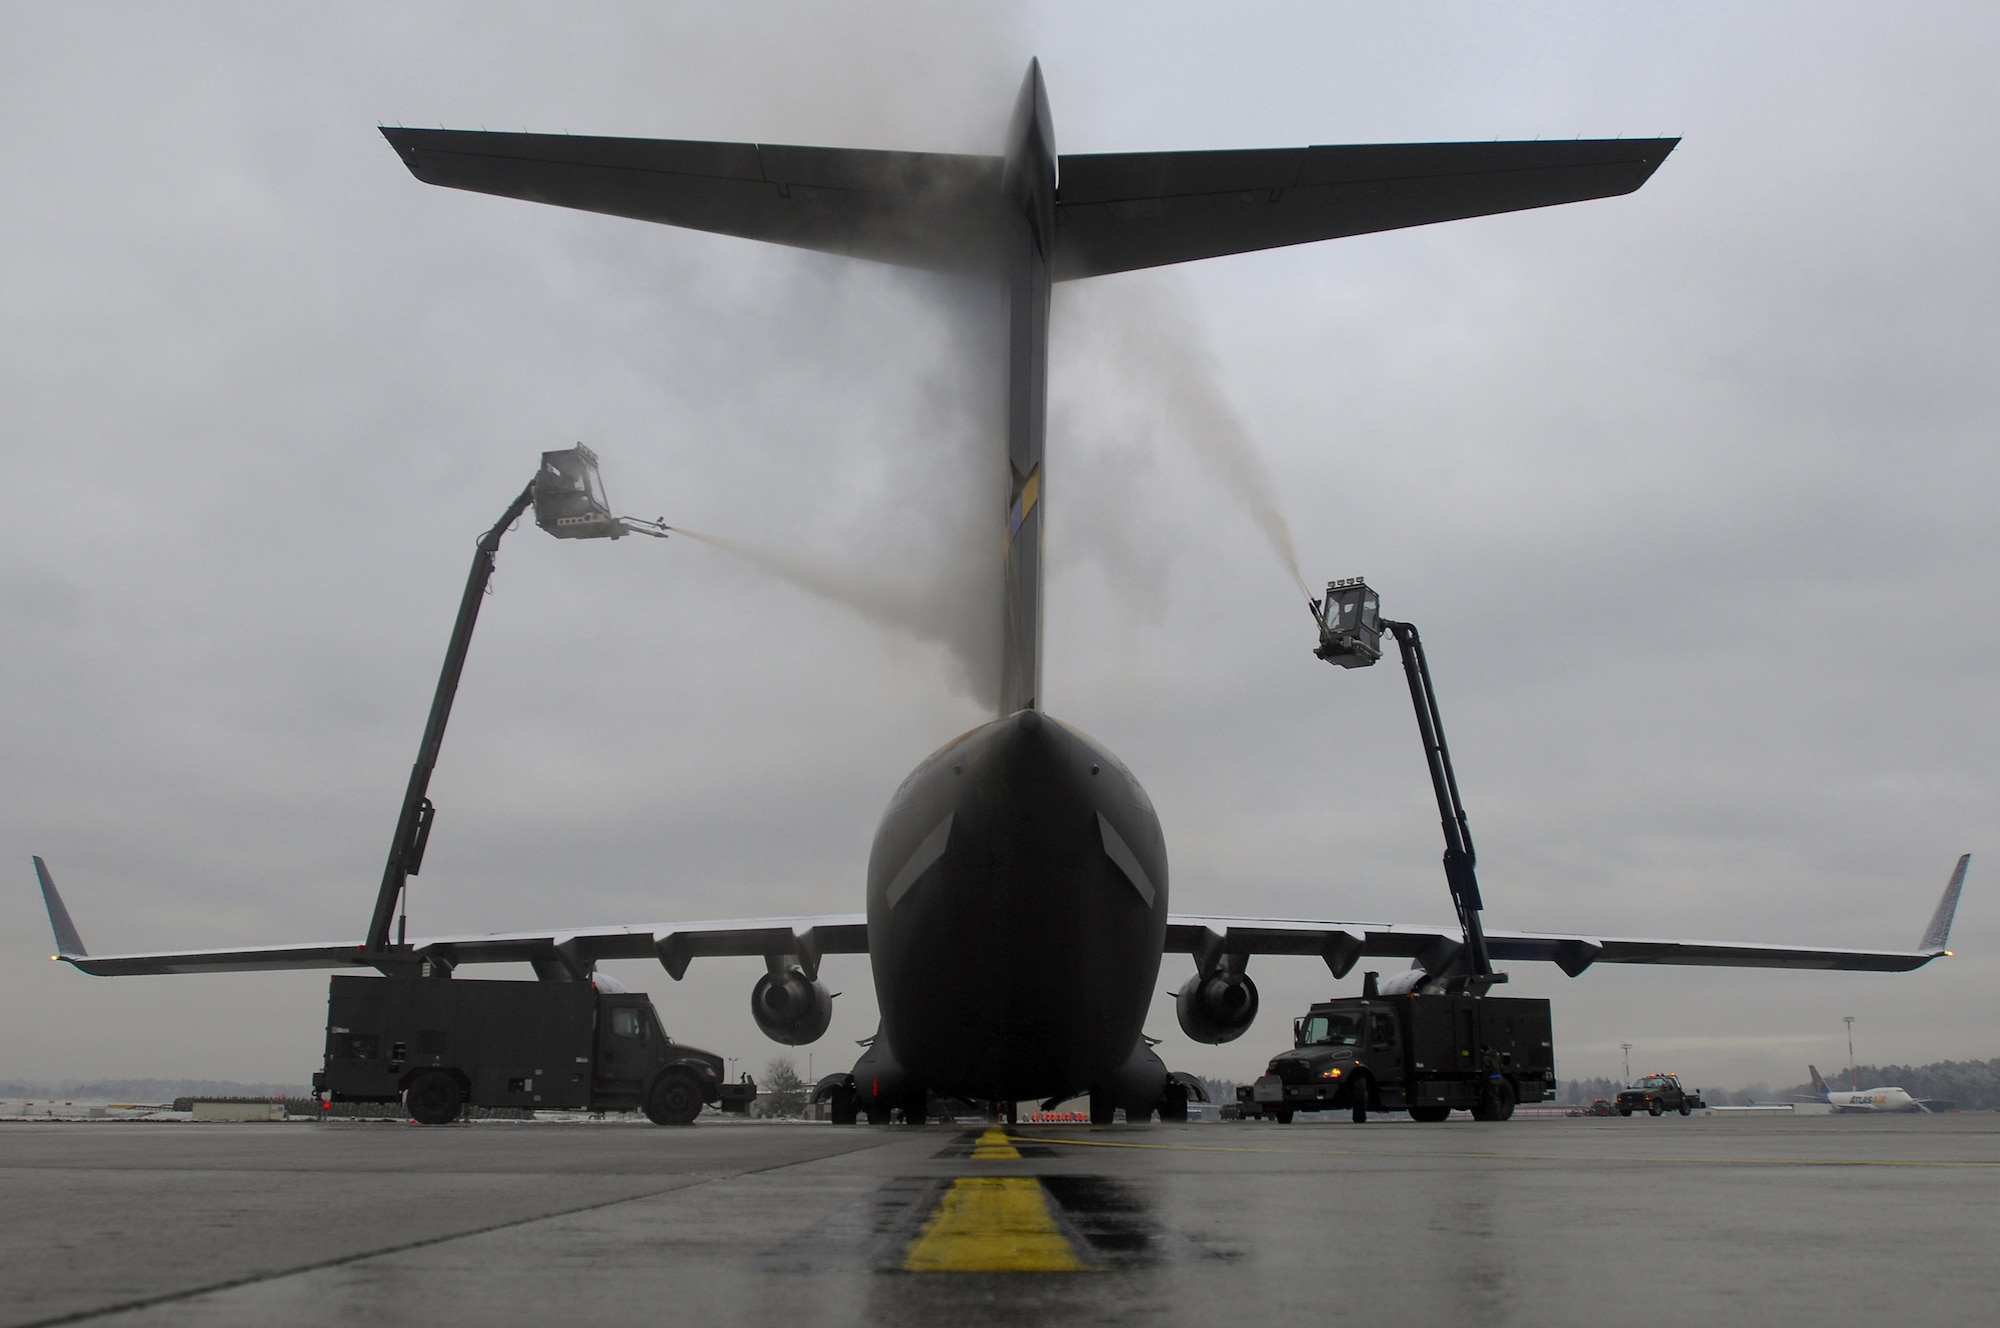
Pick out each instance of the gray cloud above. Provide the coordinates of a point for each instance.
(1691, 493)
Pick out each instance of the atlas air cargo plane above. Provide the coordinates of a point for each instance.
(1865, 1099)
(1016, 908)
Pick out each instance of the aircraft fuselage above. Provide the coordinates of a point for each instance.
(1017, 909)
(1873, 1099)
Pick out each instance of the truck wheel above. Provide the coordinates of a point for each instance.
(1653, 1108)
(1429, 1115)
(1686, 1110)
(1359, 1090)
(1284, 1115)
(434, 1098)
(1624, 1111)
(674, 1098)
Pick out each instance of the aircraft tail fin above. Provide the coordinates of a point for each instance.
(1939, 932)
(69, 945)
(1819, 1084)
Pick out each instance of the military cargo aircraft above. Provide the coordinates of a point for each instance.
(1017, 889)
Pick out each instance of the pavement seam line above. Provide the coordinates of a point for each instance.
(230, 1284)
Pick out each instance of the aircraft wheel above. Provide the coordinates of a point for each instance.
(842, 1107)
(434, 1098)
(1102, 1112)
(1173, 1106)
(1284, 1115)
(673, 1098)
(1429, 1115)
(878, 1115)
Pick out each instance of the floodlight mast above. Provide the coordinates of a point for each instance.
(1350, 628)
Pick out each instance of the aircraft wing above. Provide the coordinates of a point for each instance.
(918, 209)
(572, 952)
(1123, 210)
(1343, 944)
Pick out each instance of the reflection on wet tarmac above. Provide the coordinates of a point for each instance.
(1741, 1220)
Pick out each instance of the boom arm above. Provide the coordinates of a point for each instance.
(413, 827)
(1460, 858)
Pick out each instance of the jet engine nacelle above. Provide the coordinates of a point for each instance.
(791, 1008)
(1216, 1007)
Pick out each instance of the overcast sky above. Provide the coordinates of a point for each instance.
(1691, 493)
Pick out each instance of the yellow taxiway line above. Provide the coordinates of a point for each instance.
(992, 1224)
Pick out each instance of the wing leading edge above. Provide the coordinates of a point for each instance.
(575, 952)
(1343, 944)
(571, 953)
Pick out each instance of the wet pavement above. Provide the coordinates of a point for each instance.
(1561, 1221)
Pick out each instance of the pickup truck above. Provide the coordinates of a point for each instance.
(1657, 1094)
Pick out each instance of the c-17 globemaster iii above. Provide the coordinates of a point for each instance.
(1017, 898)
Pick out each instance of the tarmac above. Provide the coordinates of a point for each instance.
(1714, 1219)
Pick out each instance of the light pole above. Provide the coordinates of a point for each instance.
(1853, 1085)
(1626, 1047)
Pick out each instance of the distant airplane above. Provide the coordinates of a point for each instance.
(1866, 1099)
(1017, 887)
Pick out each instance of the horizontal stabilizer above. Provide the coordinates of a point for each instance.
(68, 944)
(917, 209)
(1938, 934)
(946, 211)
(1123, 210)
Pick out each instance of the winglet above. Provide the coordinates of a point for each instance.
(69, 945)
(1939, 931)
